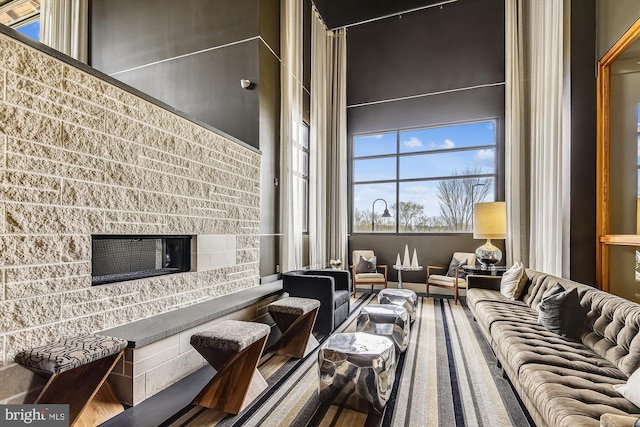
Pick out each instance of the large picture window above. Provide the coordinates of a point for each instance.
(427, 179)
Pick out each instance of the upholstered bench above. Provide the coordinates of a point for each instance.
(233, 348)
(357, 370)
(402, 297)
(79, 367)
(295, 317)
(387, 320)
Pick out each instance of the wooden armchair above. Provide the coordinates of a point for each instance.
(453, 281)
(379, 277)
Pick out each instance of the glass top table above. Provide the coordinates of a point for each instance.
(402, 268)
(480, 270)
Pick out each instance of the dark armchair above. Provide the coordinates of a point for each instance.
(331, 287)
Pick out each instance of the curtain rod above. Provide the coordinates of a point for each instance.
(392, 14)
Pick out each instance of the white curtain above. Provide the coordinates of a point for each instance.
(328, 141)
(64, 26)
(291, 209)
(534, 131)
(516, 137)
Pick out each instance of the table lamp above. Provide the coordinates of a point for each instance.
(489, 222)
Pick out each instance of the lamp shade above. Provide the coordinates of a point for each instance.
(490, 220)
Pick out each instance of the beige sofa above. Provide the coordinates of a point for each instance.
(562, 382)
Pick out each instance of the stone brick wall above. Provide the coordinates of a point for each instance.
(81, 156)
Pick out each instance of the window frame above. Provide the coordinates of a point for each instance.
(497, 174)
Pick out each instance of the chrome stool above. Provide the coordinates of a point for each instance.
(357, 370)
(402, 297)
(386, 320)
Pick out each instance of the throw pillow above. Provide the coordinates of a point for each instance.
(631, 389)
(366, 265)
(573, 314)
(455, 265)
(551, 308)
(513, 281)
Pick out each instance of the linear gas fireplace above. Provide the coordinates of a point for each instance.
(118, 258)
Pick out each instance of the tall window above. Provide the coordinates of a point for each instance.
(428, 179)
(23, 16)
(304, 176)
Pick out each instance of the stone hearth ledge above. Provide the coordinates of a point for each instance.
(159, 353)
(146, 331)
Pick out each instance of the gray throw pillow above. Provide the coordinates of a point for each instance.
(453, 266)
(550, 308)
(573, 315)
(366, 265)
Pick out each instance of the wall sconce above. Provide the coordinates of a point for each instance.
(385, 214)
(244, 83)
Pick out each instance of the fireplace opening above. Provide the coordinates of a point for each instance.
(118, 258)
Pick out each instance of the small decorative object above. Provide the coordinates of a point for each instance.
(407, 260)
(414, 260)
(398, 262)
(336, 264)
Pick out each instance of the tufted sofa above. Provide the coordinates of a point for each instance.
(562, 382)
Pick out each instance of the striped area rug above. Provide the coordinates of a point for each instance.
(446, 377)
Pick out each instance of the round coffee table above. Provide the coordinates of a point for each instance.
(402, 268)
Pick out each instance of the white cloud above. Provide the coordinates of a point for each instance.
(412, 142)
(485, 155)
(447, 144)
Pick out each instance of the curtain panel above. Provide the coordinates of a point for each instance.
(535, 135)
(64, 26)
(291, 182)
(328, 146)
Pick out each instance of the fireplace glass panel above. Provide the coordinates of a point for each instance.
(122, 258)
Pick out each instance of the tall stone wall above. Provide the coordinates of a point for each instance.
(81, 156)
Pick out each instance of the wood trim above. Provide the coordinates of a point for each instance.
(603, 171)
(621, 239)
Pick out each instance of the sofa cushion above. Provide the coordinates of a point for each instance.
(550, 308)
(340, 298)
(612, 324)
(513, 281)
(569, 397)
(366, 265)
(631, 389)
(454, 265)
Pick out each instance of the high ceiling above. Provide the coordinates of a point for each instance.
(346, 12)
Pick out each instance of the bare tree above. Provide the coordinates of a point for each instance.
(457, 197)
(409, 213)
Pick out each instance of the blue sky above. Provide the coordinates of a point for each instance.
(431, 163)
(31, 30)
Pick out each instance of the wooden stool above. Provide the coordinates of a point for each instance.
(233, 348)
(79, 368)
(295, 317)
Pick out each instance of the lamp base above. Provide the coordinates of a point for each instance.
(488, 254)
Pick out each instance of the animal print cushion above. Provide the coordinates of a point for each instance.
(293, 305)
(70, 353)
(232, 335)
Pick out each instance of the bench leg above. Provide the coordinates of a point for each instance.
(90, 398)
(237, 381)
(296, 340)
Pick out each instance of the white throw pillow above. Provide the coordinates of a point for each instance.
(513, 281)
(631, 389)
